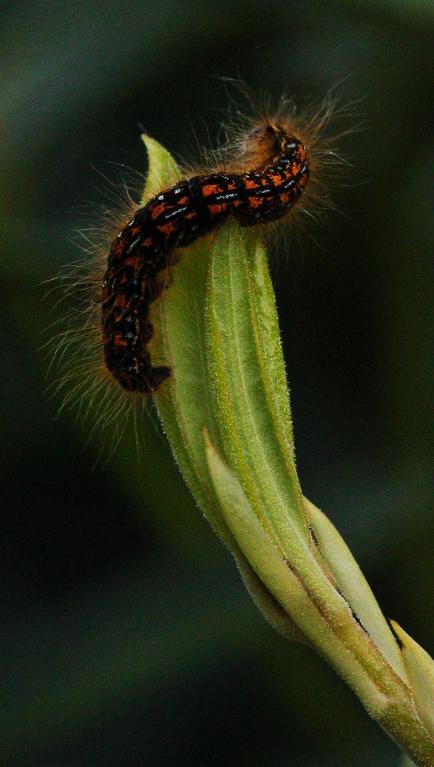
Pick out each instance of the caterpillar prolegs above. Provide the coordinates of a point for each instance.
(173, 219)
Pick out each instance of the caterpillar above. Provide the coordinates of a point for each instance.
(175, 218)
(269, 165)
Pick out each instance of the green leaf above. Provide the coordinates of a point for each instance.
(269, 562)
(217, 329)
(354, 587)
(180, 342)
(253, 539)
(183, 402)
(248, 380)
(163, 171)
(420, 667)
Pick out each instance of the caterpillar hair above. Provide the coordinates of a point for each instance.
(269, 166)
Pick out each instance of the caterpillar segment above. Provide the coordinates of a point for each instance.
(173, 219)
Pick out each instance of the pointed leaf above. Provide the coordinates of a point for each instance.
(354, 587)
(163, 171)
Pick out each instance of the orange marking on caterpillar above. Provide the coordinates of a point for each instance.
(209, 189)
(144, 248)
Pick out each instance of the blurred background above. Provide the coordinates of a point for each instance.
(126, 636)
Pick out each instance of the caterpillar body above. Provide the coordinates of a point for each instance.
(173, 219)
(270, 166)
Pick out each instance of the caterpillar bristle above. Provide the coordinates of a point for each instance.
(133, 250)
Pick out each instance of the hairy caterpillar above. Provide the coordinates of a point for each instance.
(174, 219)
(93, 361)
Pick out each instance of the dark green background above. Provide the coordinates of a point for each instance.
(126, 635)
